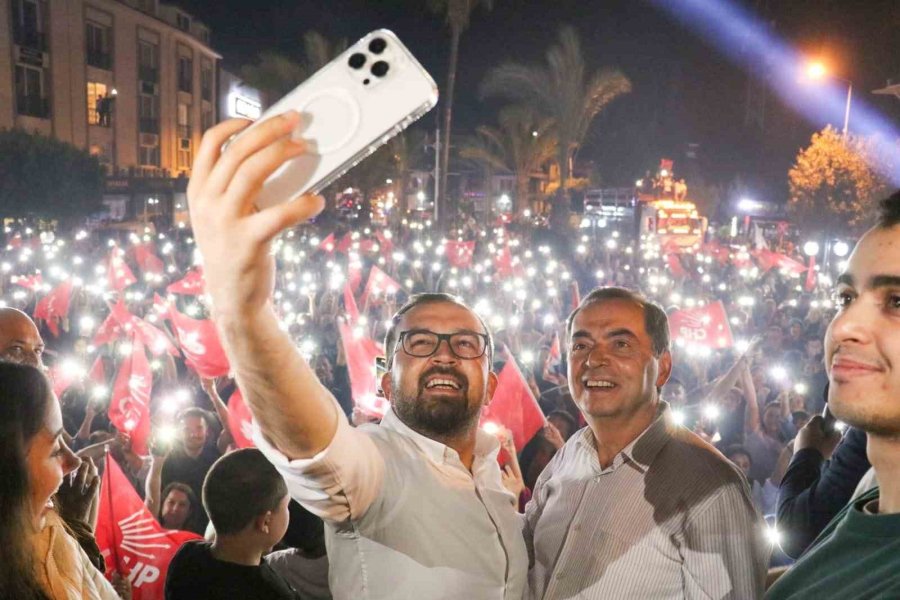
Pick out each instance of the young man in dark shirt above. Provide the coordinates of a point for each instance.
(858, 553)
(247, 502)
(191, 458)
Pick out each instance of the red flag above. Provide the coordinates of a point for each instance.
(506, 265)
(200, 343)
(64, 374)
(768, 259)
(459, 254)
(554, 357)
(344, 244)
(361, 352)
(354, 275)
(719, 252)
(55, 306)
(379, 283)
(130, 539)
(704, 326)
(240, 421)
(113, 327)
(514, 406)
(129, 409)
(118, 274)
(328, 244)
(154, 338)
(350, 305)
(147, 260)
(675, 266)
(190, 285)
(29, 282)
(811, 275)
(97, 374)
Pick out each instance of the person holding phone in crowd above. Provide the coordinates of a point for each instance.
(414, 507)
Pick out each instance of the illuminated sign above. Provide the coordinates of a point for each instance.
(244, 107)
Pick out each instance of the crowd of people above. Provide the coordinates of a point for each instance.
(661, 448)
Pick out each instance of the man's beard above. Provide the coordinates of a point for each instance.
(439, 416)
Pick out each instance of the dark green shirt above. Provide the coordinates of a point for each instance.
(856, 556)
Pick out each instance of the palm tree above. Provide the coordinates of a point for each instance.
(275, 74)
(457, 14)
(562, 90)
(522, 144)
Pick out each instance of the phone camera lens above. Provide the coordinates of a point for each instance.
(377, 46)
(380, 69)
(357, 60)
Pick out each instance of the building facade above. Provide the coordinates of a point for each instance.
(131, 81)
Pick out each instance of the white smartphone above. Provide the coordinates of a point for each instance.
(348, 109)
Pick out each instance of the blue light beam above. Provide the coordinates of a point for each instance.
(744, 39)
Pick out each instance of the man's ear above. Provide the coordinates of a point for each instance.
(386, 385)
(492, 381)
(665, 369)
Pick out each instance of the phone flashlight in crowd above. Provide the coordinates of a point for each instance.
(711, 412)
(773, 535)
(800, 388)
(779, 373)
(380, 370)
(99, 393)
(165, 435)
(678, 417)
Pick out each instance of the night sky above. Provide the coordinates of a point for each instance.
(684, 92)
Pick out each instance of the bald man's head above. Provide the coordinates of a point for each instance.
(20, 340)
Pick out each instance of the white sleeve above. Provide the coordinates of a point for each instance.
(339, 483)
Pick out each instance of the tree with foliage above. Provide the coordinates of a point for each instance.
(457, 14)
(522, 144)
(41, 177)
(275, 74)
(563, 90)
(834, 182)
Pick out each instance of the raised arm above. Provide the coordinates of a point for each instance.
(293, 410)
(225, 438)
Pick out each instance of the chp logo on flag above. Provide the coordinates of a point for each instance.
(706, 326)
(130, 539)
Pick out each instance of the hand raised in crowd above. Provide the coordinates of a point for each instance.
(232, 235)
(209, 386)
(511, 475)
(552, 435)
(122, 586)
(78, 493)
(814, 435)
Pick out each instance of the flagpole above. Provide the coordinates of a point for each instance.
(109, 498)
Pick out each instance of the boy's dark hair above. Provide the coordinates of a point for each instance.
(655, 320)
(193, 411)
(390, 338)
(239, 487)
(888, 211)
(734, 449)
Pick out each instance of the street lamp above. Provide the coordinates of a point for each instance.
(841, 248)
(817, 71)
(811, 248)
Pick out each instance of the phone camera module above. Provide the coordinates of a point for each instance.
(380, 68)
(357, 60)
(377, 46)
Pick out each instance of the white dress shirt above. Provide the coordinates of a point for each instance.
(669, 518)
(404, 518)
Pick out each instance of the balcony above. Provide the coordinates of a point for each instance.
(100, 60)
(148, 74)
(149, 125)
(35, 40)
(33, 106)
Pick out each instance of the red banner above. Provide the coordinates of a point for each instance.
(328, 244)
(29, 282)
(350, 305)
(240, 421)
(459, 254)
(200, 343)
(704, 326)
(514, 406)
(361, 353)
(54, 307)
(130, 539)
(190, 285)
(811, 275)
(129, 409)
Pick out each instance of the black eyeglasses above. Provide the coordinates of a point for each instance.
(423, 343)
